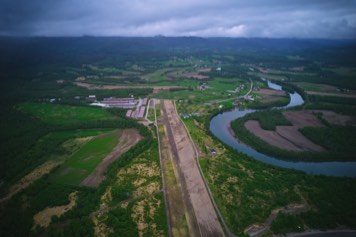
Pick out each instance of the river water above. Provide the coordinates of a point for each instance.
(220, 127)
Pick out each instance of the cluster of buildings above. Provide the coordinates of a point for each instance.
(140, 110)
(125, 103)
(185, 115)
(136, 107)
(237, 89)
(138, 113)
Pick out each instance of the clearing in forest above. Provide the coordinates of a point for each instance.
(289, 137)
(128, 139)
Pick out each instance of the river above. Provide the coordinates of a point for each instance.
(220, 127)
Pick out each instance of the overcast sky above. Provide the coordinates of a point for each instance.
(206, 18)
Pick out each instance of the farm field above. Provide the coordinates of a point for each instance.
(289, 134)
(88, 164)
(63, 114)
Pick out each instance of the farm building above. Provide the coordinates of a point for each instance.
(144, 101)
(128, 113)
(126, 103)
(141, 112)
(91, 97)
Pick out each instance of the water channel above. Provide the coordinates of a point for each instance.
(220, 127)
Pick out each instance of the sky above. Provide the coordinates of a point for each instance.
(202, 18)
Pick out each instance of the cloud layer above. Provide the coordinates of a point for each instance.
(206, 18)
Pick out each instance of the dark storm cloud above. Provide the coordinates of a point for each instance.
(233, 18)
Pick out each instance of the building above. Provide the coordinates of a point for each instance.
(125, 103)
(92, 97)
(141, 112)
(128, 113)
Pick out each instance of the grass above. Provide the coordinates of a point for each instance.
(269, 119)
(64, 114)
(85, 160)
(200, 138)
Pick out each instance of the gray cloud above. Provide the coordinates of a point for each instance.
(232, 18)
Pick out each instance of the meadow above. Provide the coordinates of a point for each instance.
(84, 161)
(64, 114)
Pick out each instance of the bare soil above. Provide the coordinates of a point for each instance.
(195, 75)
(267, 96)
(331, 94)
(43, 218)
(303, 118)
(192, 181)
(113, 87)
(337, 119)
(182, 221)
(289, 137)
(128, 139)
(270, 92)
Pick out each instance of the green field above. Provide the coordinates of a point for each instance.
(64, 114)
(85, 160)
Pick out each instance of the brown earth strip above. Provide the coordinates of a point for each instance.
(192, 182)
(44, 217)
(128, 139)
(331, 94)
(270, 92)
(36, 174)
(289, 137)
(303, 118)
(113, 87)
(181, 213)
(271, 137)
(337, 119)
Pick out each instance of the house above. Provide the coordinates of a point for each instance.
(212, 151)
(92, 97)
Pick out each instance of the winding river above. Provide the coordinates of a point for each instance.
(220, 127)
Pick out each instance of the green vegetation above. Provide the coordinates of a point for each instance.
(269, 119)
(83, 162)
(287, 223)
(135, 195)
(247, 191)
(64, 114)
(338, 140)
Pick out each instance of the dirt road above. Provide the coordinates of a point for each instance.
(113, 87)
(128, 139)
(192, 182)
